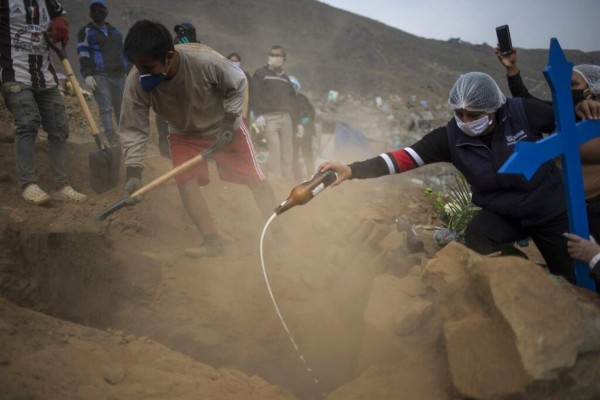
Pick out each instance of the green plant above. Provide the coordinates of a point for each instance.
(454, 209)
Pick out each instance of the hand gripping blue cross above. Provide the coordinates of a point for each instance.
(528, 156)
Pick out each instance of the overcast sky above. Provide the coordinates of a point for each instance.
(575, 23)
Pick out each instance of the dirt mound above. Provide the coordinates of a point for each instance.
(129, 273)
(42, 357)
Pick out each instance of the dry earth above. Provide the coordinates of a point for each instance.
(126, 315)
(129, 276)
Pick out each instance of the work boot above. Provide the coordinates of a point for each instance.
(35, 195)
(209, 248)
(67, 193)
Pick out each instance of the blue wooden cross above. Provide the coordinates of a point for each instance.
(528, 156)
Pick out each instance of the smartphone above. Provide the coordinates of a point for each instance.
(504, 42)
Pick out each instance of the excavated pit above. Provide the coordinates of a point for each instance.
(129, 273)
(66, 274)
(83, 275)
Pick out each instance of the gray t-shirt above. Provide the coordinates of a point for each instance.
(193, 102)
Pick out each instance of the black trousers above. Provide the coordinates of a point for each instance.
(488, 232)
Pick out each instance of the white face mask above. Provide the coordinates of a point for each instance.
(236, 63)
(275, 62)
(474, 128)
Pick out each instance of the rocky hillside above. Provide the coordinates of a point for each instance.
(327, 48)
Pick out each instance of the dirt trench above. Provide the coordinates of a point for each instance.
(66, 274)
(129, 275)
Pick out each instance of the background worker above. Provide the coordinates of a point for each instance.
(303, 122)
(272, 102)
(103, 65)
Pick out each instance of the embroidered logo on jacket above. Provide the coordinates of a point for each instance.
(517, 137)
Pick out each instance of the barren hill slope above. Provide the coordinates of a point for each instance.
(327, 48)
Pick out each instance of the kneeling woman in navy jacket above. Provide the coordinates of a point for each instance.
(477, 141)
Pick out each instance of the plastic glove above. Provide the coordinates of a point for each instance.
(261, 122)
(300, 132)
(90, 82)
(227, 126)
(60, 30)
(131, 186)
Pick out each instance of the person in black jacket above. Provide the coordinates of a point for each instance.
(303, 125)
(272, 101)
(477, 141)
(103, 65)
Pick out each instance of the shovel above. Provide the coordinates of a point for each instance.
(105, 163)
(136, 196)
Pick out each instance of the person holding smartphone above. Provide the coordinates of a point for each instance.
(585, 90)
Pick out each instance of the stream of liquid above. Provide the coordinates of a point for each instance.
(262, 260)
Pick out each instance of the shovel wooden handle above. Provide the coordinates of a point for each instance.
(163, 178)
(117, 205)
(222, 140)
(77, 89)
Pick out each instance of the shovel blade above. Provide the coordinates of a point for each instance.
(104, 169)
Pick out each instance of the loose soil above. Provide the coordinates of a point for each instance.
(175, 327)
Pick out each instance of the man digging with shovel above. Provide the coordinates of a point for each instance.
(200, 94)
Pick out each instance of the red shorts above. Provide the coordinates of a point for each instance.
(236, 161)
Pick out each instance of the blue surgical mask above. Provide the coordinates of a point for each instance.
(149, 82)
(474, 128)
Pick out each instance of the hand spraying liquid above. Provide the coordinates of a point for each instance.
(307, 190)
(300, 194)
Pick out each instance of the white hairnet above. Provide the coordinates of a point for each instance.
(476, 91)
(591, 74)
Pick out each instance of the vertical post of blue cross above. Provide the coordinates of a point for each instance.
(565, 142)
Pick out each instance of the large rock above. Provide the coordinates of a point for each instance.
(399, 338)
(482, 358)
(550, 322)
(482, 328)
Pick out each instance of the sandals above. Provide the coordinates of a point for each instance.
(34, 195)
(67, 193)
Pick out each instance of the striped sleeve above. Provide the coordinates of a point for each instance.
(385, 164)
(432, 148)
